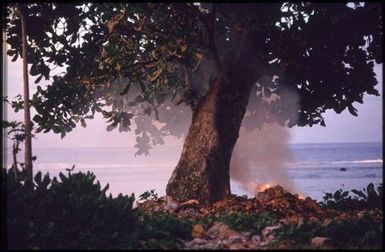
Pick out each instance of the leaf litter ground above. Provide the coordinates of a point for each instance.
(271, 219)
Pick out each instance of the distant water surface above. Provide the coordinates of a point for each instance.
(316, 169)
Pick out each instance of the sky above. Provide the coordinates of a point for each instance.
(130, 177)
(340, 128)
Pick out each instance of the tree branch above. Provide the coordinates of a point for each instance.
(211, 31)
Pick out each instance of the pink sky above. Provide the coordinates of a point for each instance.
(367, 127)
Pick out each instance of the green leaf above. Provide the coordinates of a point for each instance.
(56, 129)
(10, 52)
(72, 124)
(125, 89)
(34, 71)
(328, 196)
(15, 57)
(372, 194)
(352, 110)
(38, 79)
(105, 188)
(359, 193)
(112, 126)
(337, 195)
(38, 178)
(38, 119)
(83, 122)
(63, 177)
(46, 180)
(344, 194)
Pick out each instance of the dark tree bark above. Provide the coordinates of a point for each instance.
(14, 153)
(27, 114)
(203, 169)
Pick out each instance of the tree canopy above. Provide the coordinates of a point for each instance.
(126, 60)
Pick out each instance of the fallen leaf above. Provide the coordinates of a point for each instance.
(221, 203)
(318, 241)
(198, 231)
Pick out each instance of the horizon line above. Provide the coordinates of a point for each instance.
(177, 145)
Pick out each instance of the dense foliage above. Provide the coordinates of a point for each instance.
(138, 56)
(368, 197)
(348, 234)
(250, 222)
(75, 212)
(15, 132)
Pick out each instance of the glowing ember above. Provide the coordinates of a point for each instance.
(300, 196)
(263, 187)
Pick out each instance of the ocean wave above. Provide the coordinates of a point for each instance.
(367, 161)
(373, 175)
(97, 166)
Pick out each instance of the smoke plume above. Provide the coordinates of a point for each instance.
(262, 154)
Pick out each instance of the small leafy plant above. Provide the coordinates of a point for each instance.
(367, 198)
(348, 233)
(148, 195)
(250, 222)
(371, 197)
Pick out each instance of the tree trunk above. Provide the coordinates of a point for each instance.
(15, 148)
(203, 169)
(27, 115)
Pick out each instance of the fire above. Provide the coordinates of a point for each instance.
(263, 187)
(275, 187)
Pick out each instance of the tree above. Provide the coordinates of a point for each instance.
(20, 11)
(142, 59)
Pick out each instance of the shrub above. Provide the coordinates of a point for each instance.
(251, 222)
(367, 198)
(162, 231)
(148, 195)
(350, 233)
(76, 213)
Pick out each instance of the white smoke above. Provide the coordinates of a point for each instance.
(262, 155)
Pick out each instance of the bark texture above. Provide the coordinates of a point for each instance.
(203, 169)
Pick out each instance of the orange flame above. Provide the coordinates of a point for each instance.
(263, 187)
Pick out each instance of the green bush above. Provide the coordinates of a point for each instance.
(148, 195)
(162, 231)
(351, 233)
(76, 213)
(367, 198)
(250, 222)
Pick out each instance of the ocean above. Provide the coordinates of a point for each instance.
(316, 168)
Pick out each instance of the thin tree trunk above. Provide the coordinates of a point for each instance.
(27, 116)
(203, 169)
(14, 153)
